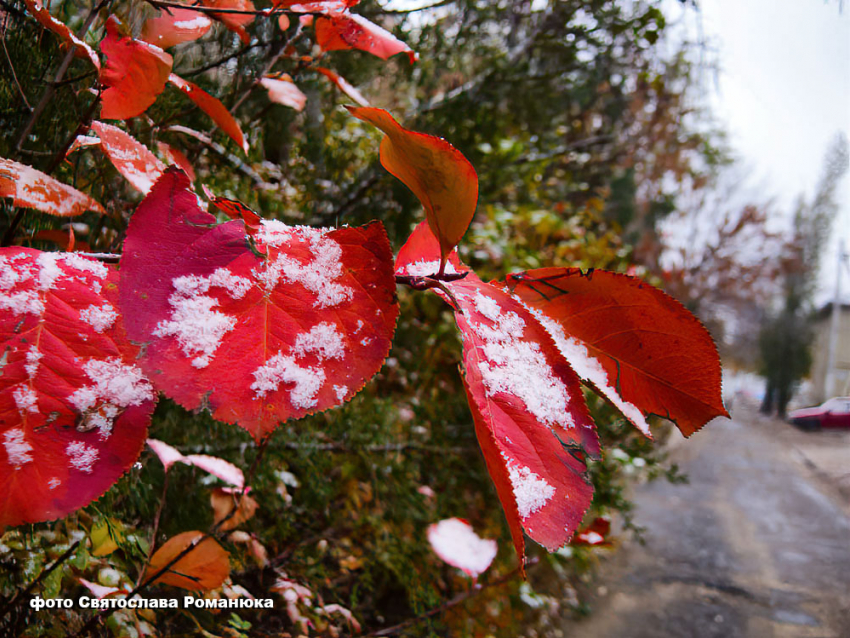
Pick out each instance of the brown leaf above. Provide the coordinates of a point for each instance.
(205, 567)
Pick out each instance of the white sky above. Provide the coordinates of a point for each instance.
(783, 92)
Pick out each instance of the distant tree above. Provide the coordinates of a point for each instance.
(786, 336)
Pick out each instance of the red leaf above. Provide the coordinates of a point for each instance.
(282, 90)
(595, 534)
(295, 326)
(212, 107)
(30, 188)
(525, 400)
(176, 156)
(345, 31)
(74, 408)
(59, 28)
(236, 22)
(205, 566)
(420, 255)
(343, 85)
(135, 73)
(320, 6)
(437, 173)
(175, 26)
(134, 161)
(637, 346)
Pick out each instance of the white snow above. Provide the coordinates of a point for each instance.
(518, 367)
(424, 268)
(116, 386)
(26, 399)
(54, 483)
(17, 449)
(589, 369)
(199, 328)
(33, 357)
(81, 456)
(530, 490)
(197, 23)
(323, 339)
(340, 391)
(86, 264)
(99, 317)
(283, 369)
(319, 275)
(455, 542)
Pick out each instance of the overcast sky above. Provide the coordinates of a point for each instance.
(783, 92)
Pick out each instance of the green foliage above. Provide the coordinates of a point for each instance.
(551, 107)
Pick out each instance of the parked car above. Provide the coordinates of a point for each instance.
(834, 413)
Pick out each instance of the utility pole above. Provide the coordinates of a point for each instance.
(830, 382)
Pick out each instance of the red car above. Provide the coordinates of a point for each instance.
(834, 413)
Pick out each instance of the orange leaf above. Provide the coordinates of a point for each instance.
(135, 73)
(133, 160)
(174, 27)
(437, 173)
(343, 85)
(345, 31)
(638, 347)
(177, 157)
(212, 107)
(30, 188)
(59, 28)
(236, 22)
(223, 501)
(283, 91)
(205, 567)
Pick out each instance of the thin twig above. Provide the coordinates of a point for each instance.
(12, 603)
(156, 520)
(14, 75)
(220, 61)
(162, 4)
(471, 593)
(92, 622)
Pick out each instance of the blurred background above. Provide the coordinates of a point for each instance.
(700, 145)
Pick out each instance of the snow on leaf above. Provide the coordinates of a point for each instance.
(344, 31)
(133, 160)
(526, 404)
(256, 331)
(205, 566)
(74, 407)
(219, 468)
(437, 173)
(30, 188)
(167, 455)
(455, 542)
(343, 85)
(282, 90)
(212, 107)
(175, 26)
(50, 23)
(634, 344)
(135, 73)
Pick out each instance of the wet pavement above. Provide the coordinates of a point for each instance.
(757, 545)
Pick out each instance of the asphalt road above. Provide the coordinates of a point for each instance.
(757, 545)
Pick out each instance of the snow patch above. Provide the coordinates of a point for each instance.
(424, 268)
(589, 369)
(53, 483)
(117, 386)
(99, 317)
(81, 456)
(26, 399)
(283, 369)
(323, 339)
(340, 391)
(319, 276)
(530, 490)
(33, 357)
(518, 367)
(17, 449)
